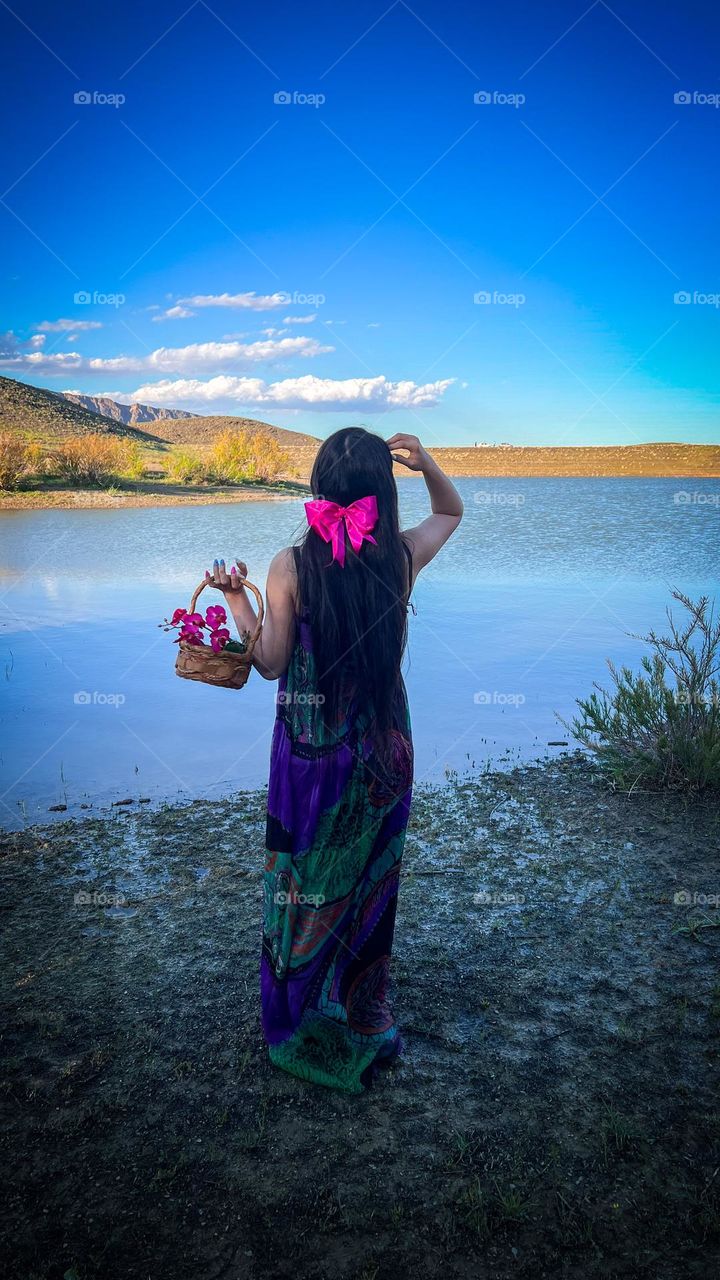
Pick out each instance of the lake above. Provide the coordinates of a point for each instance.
(515, 620)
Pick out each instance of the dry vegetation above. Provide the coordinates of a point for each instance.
(19, 459)
(54, 452)
(101, 459)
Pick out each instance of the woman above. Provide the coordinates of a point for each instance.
(341, 764)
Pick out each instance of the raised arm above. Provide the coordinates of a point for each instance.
(426, 539)
(275, 642)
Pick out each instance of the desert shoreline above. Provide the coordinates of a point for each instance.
(94, 500)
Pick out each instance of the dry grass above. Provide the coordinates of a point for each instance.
(96, 458)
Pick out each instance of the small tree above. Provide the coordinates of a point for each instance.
(655, 733)
(238, 456)
(271, 460)
(231, 458)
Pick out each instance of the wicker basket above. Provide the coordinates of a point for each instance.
(226, 669)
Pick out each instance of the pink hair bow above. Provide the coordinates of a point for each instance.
(328, 518)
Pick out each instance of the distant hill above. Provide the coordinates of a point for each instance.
(200, 432)
(129, 414)
(47, 416)
(671, 459)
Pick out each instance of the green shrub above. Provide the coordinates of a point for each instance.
(238, 456)
(134, 463)
(661, 728)
(186, 467)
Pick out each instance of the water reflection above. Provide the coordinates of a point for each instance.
(514, 621)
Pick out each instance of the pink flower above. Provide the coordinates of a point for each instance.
(178, 616)
(216, 616)
(219, 638)
(190, 633)
(195, 619)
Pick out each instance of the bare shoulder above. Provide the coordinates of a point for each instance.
(283, 564)
(282, 578)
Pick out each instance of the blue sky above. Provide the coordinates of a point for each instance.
(317, 263)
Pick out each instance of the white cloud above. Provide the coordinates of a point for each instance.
(195, 359)
(174, 313)
(300, 319)
(74, 326)
(13, 350)
(207, 356)
(373, 395)
(245, 301)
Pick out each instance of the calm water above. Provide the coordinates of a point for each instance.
(514, 621)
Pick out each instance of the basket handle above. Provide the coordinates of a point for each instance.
(244, 582)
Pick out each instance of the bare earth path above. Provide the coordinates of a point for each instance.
(556, 1113)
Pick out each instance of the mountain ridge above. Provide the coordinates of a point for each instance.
(129, 414)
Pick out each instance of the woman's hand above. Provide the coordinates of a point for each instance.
(418, 458)
(224, 581)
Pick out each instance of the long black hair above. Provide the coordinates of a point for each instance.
(358, 611)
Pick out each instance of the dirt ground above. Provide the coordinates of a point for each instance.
(555, 1114)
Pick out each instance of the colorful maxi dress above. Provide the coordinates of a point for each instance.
(335, 835)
